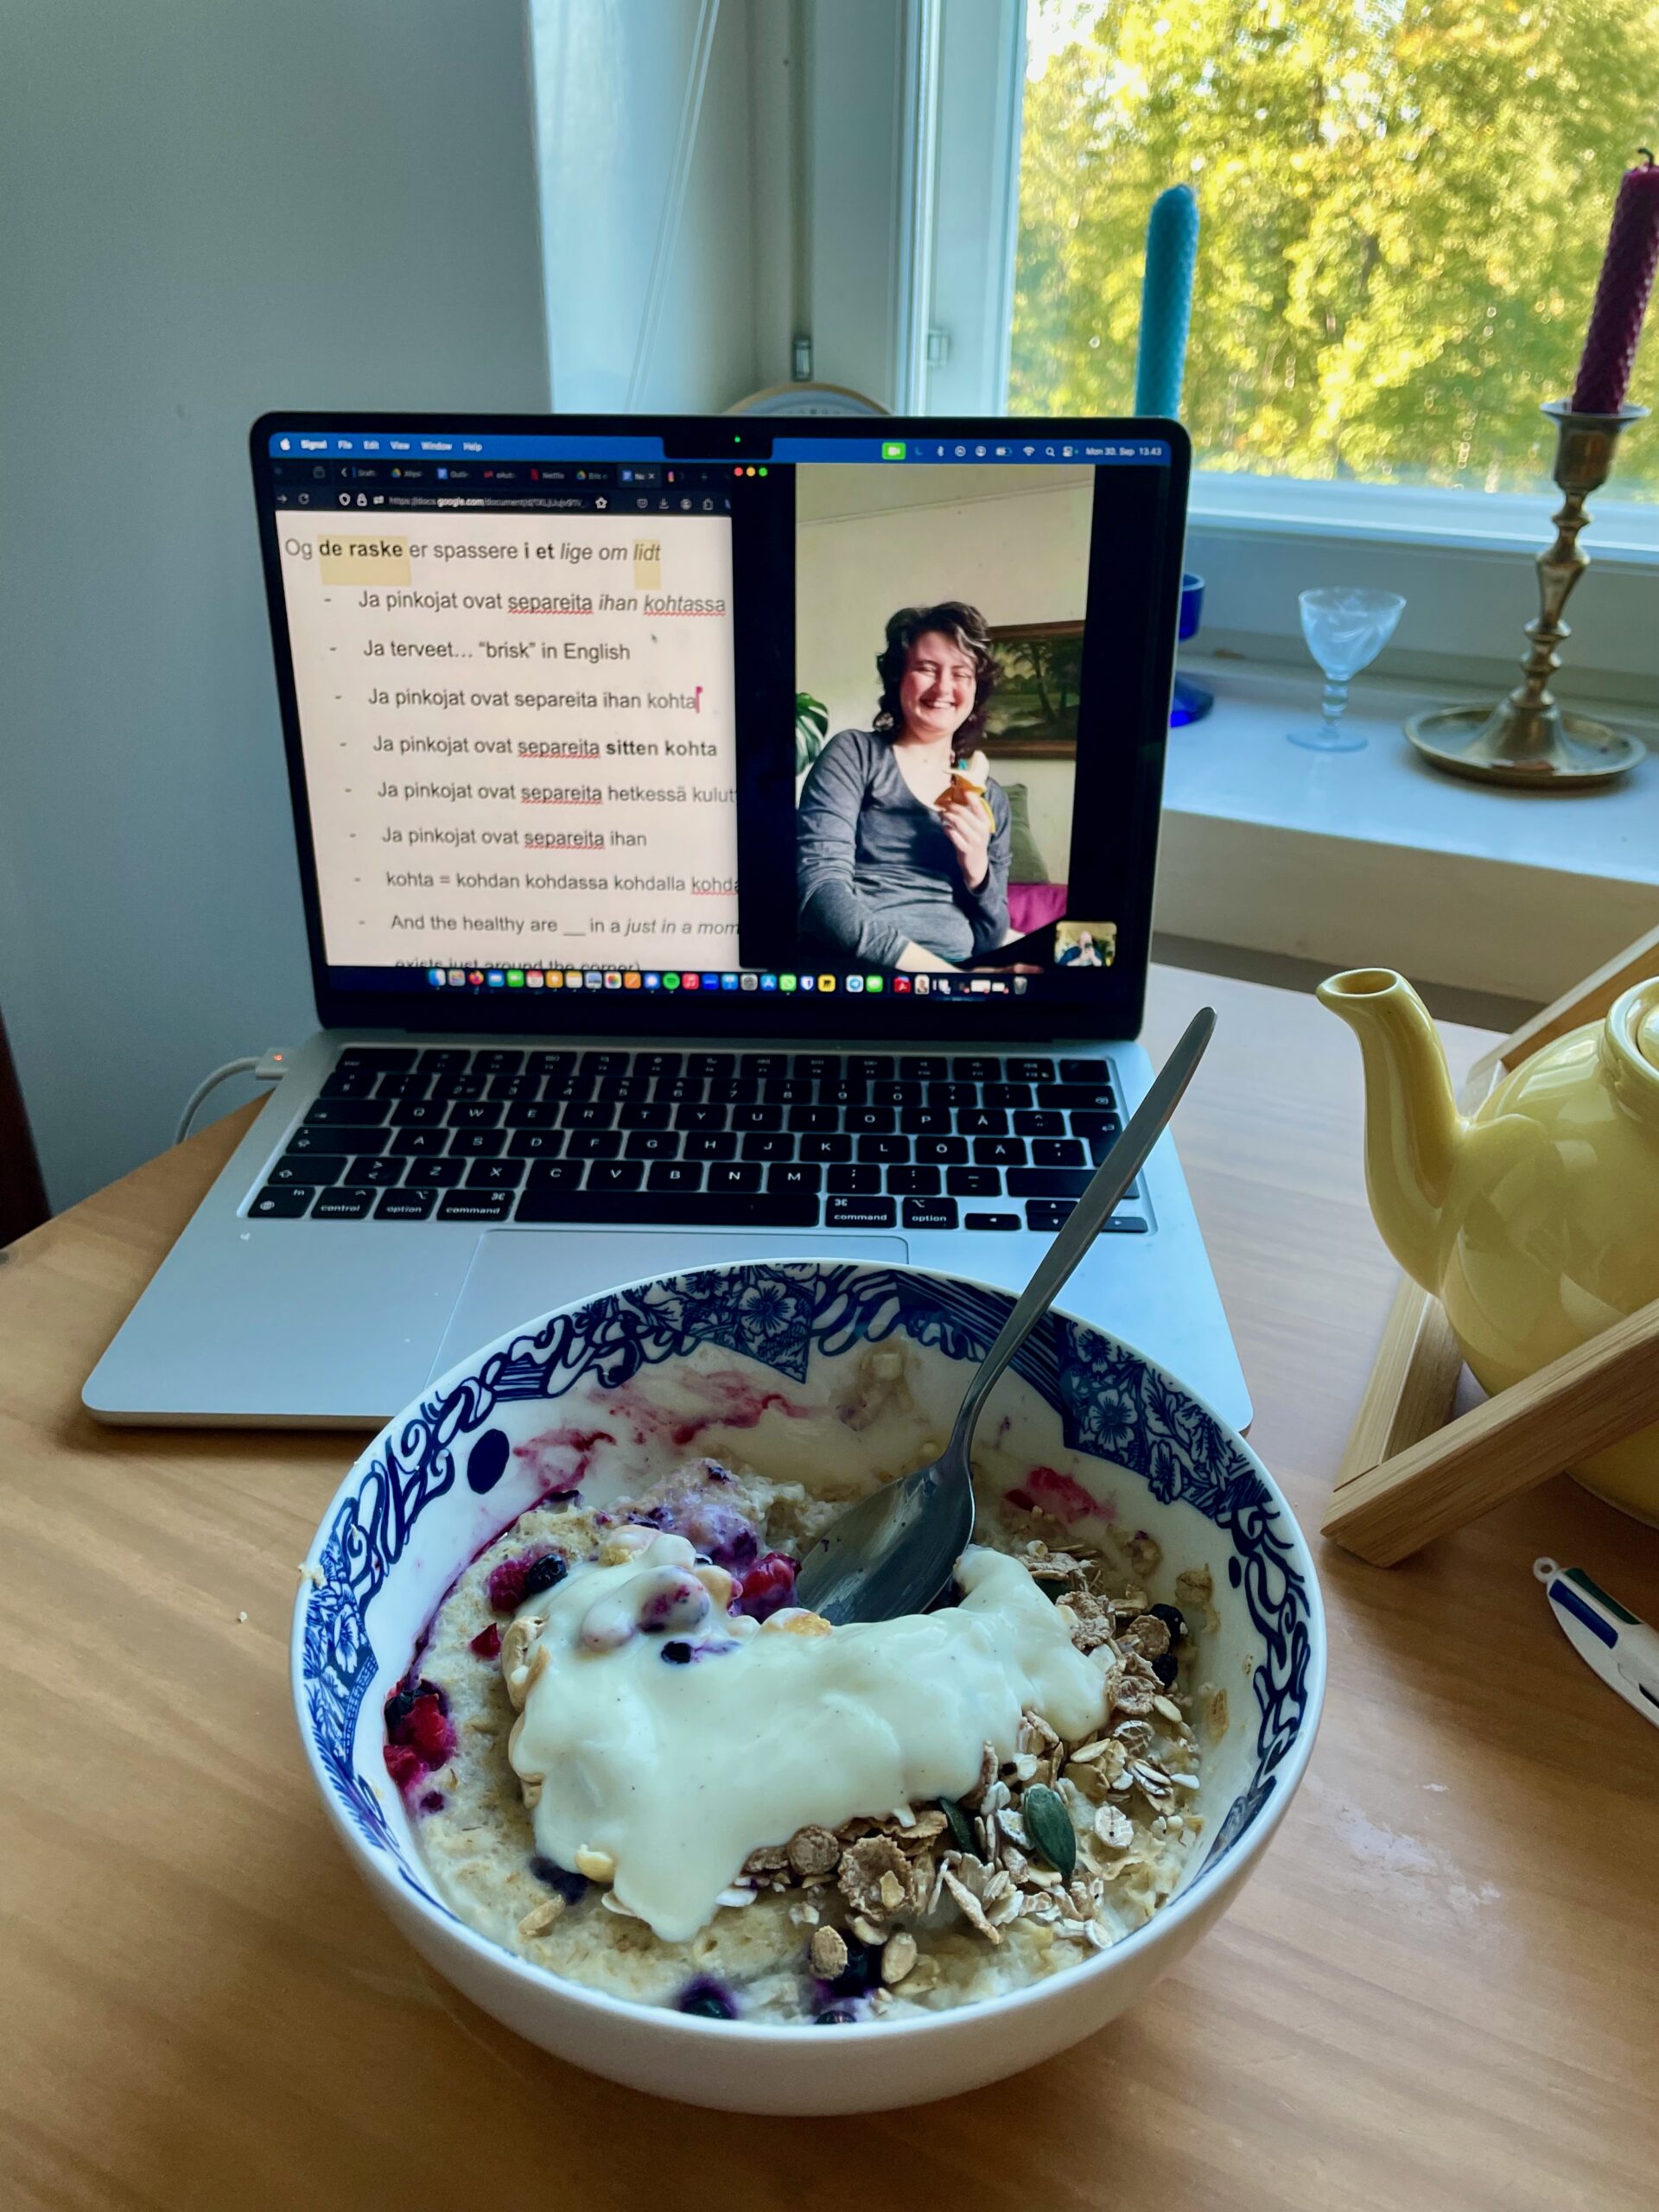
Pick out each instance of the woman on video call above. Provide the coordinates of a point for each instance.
(899, 865)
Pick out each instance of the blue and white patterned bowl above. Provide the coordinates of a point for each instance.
(443, 1479)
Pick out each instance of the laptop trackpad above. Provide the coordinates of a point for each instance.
(517, 1274)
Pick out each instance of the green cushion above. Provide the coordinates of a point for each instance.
(1025, 861)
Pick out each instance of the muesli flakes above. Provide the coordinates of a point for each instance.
(873, 1878)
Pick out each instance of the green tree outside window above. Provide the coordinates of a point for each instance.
(1404, 207)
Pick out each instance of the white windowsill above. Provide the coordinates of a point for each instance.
(1624, 533)
(1376, 857)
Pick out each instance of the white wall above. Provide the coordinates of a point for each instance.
(211, 208)
(872, 542)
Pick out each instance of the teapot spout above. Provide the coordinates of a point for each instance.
(1413, 1128)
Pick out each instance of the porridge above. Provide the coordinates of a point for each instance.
(629, 1758)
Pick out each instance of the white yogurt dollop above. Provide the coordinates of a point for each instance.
(676, 1767)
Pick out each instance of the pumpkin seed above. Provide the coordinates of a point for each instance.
(1049, 1826)
(961, 1832)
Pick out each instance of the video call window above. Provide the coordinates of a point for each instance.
(939, 619)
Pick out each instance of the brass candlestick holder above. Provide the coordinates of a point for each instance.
(1526, 740)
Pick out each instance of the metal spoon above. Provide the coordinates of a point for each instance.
(894, 1551)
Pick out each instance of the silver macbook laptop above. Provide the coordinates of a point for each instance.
(720, 841)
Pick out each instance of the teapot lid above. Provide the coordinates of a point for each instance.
(1629, 1049)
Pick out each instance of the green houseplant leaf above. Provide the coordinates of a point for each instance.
(811, 728)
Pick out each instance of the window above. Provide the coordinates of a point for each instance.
(1404, 205)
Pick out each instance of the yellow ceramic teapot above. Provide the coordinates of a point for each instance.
(1536, 1220)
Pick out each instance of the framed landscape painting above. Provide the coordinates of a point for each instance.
(1035, 707)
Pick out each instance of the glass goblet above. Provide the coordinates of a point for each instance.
(1346, 629)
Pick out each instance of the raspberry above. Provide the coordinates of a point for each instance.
(1060, 1496)
(402, 1703)
(403, 1764)
(427, 1731)
(506, 1584)
(1021, 1500)
(767, 1584)
(487, 1643)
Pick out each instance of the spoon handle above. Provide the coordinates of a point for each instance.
(1112, 1178)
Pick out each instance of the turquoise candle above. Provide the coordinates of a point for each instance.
(1167, 300)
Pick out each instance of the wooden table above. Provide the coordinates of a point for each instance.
(1440, 1989)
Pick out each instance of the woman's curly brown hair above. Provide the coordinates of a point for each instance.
(965, 627)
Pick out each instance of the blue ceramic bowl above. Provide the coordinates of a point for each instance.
(753, 1356)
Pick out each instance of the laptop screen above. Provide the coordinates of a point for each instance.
(582, 714)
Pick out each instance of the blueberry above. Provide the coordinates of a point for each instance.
(402, 1700)
(545, 1575)
(838, 2016)
(569, 1885)
(862, 1971)
(399, 1705)
(706, 2000)
(1165, 1667)
(1172, 1618)
(676, 1654)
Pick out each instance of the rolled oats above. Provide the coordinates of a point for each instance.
(541, 1917)
(1114, 1828)
(968, 1898)
(898, 1956)
(970, 1798)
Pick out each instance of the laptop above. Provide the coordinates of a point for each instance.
(720, 840)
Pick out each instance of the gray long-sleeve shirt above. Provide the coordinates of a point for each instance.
(875, 870)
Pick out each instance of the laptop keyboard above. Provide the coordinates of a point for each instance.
(646, 1139)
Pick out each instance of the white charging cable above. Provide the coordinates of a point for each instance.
(270, 1067)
